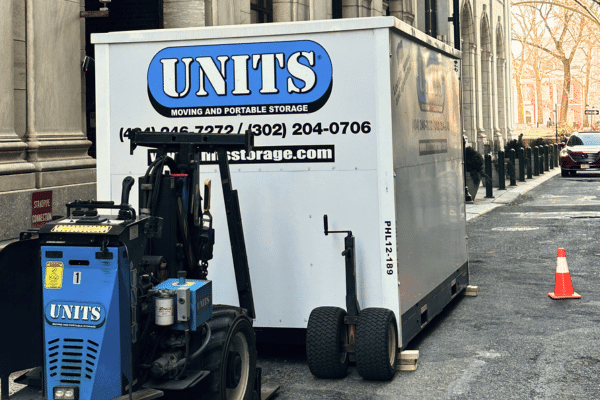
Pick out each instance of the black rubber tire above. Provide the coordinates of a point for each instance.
(376, 344)
(564, 173)
(325, 335)
(231, 329)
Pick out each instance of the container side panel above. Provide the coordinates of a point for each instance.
(428, 165)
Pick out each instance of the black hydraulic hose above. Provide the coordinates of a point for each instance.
(187, 354)
(187, 360)
(147, 175)
(156, 178)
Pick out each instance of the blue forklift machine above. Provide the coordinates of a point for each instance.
(118, 306)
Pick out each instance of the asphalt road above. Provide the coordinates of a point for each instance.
(512, 341)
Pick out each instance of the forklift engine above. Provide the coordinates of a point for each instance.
(126, 304)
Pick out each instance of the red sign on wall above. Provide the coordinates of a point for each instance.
(41, 208)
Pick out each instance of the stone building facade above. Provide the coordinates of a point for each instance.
(43, 145)
(486, 75)
(47, 116)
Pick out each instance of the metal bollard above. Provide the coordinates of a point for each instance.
(557, 155)
(512, 173)
(468, 197)
(488, 181)
(551, 155)
(541, 164)
(521, 164)
(529, 163)
(546, 158)
(536, 161)
(501, 172)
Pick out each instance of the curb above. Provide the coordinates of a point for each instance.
(483, 205)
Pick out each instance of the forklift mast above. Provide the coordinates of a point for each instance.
(196, 229)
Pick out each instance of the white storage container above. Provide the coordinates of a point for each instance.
(358, 119)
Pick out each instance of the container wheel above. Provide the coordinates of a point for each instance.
(326, 334)
(376, 344)
(230, 355)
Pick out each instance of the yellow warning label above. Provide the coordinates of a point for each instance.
(69, 228)
(54, 275)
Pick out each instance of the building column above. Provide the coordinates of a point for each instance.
(468, 95)
(501, 65)
(15, 172)
(57, 145)
(319, 10)
(362, 8)
(185, 13)
(481, 138)
(291, 10)
(494, 101)
(403, 10)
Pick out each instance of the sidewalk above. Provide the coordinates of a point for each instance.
(481, 205)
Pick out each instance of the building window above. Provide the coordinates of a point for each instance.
(431, 18)
(261, 11)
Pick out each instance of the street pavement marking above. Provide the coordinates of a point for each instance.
(557, 215)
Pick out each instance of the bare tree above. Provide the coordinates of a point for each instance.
(565, 29)
(521, 33)
(570, 30)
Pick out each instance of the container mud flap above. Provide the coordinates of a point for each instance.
(21, 295)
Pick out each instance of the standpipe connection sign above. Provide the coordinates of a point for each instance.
(41, 208)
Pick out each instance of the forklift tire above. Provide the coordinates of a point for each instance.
(230, 355)
(376, 344)
(326, 333)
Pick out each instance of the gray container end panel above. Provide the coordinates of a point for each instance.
(432, 248)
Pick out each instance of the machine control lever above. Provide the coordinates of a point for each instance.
(125, 211)
(126, 190)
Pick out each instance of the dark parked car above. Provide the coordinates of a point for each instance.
(582, 152)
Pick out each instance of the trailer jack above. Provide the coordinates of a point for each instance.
(335, 336)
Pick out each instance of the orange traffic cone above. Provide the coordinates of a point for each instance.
(563, 287)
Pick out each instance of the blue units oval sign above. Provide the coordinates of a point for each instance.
(75, 315)
(240, 79)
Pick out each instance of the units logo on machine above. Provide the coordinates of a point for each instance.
(240, 79)
(77, 315)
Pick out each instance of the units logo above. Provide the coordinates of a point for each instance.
(78, 315)
(431, 86)
(240, 79)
